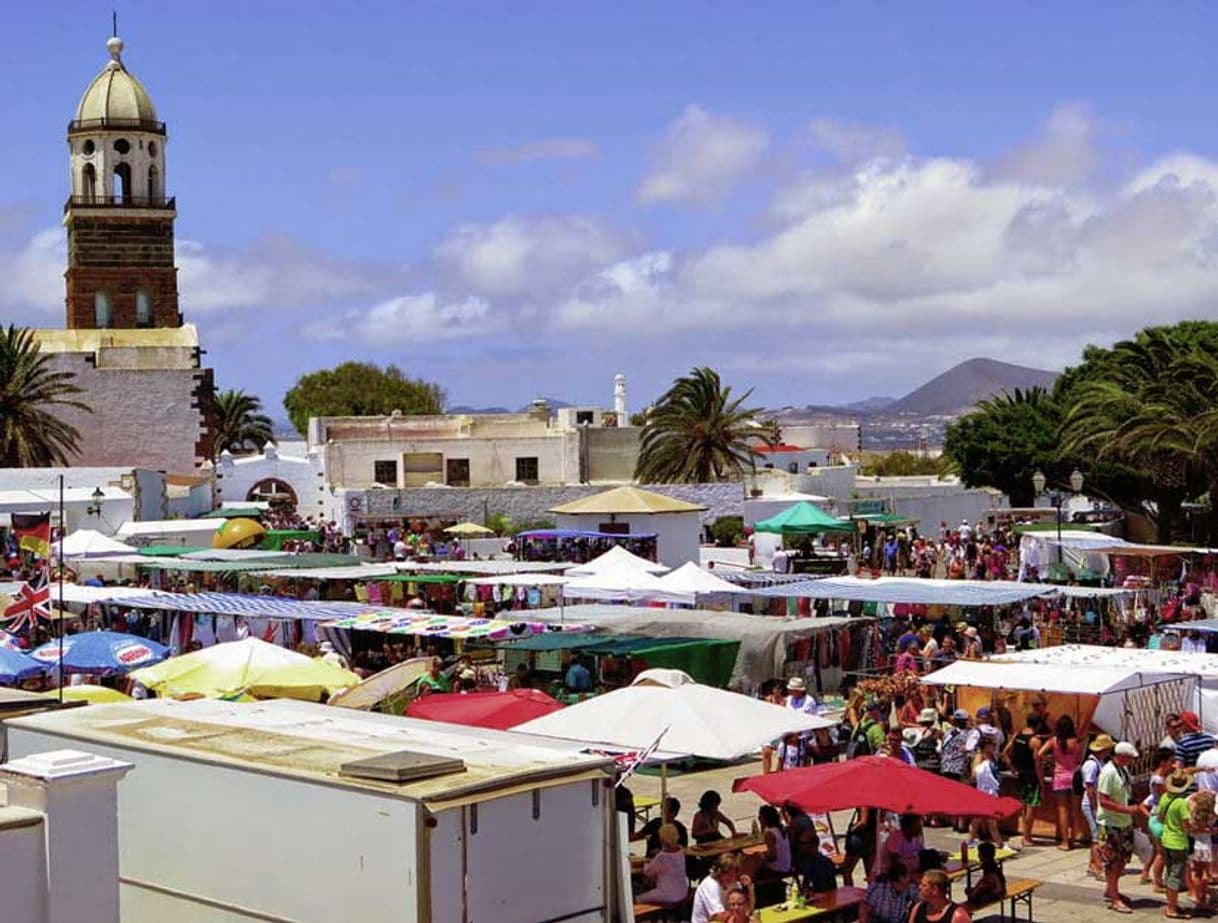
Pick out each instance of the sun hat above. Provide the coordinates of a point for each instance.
(1101, 743)
(983, 711)
(971, 631)
(928, 716)
(962, 626)
(1125, 748)
(1190, 721)
(796, 684)
(960, 715)
(1177, 782)
(911, 736)
(467, 673)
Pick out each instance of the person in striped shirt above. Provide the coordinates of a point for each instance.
(1193, 741)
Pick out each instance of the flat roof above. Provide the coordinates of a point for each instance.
(308, 741)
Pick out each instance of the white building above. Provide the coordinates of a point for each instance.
(633, 511)
(284, 810)
(298, 480)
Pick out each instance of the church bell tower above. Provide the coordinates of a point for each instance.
(121, 271)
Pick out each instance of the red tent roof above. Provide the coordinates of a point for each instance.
(497, 710)
(874, 782)
(780, 447)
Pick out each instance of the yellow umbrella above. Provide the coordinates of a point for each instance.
(469, 528)
(87, 692)
(247, 667)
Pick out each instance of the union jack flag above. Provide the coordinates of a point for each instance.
(640, 758)
(29, 604)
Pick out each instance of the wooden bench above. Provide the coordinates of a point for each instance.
(1019, 891)
(648, 911)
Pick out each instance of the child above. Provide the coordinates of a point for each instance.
(985, 777)
(1201, 827)
(992, 885)
(1161, 768)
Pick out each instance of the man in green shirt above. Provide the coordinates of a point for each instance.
(1173, 814)
(434, 680)
(1115, 821)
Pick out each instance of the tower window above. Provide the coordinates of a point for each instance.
(103, 315)
(151, 148)
(154, 183)
(88, 181)
(123, 146)
(88, 147)
(143, 309)
(122, 182)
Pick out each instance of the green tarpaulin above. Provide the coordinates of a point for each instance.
(235, 512)
(273, 539)
(709, 661)
(803, 519)
(417, 578)
(170, 551)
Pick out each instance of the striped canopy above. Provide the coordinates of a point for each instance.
(913, 590)
(267, 607)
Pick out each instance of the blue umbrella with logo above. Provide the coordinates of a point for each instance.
(101, 653)
(16, 666)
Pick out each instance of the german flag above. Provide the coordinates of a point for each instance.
(33, 531)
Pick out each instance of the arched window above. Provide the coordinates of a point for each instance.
(143, 309)
(122, 182)
(88, 181)
(154, 184)
(103, 315)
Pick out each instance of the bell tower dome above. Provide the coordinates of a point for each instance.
(121, 269)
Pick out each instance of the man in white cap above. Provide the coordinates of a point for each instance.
(1115, 821)
(798, 698)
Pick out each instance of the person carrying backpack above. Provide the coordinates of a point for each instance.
(867, 738)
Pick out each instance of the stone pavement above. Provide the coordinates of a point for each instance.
(1069, 894)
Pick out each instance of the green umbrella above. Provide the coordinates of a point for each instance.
(803, 519)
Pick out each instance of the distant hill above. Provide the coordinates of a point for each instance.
(870, 405)
(555, 404)
(962, 386)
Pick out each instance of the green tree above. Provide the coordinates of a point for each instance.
(240, 422)
(31, 435)
(698, 432)
(1005, 441)
(901, 463)
(1149, 405)
(358, 389)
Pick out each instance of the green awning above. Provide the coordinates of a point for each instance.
(419, 578)
(235, 512)
(170, 551)
(273, 539)
(883, 519)
(802, 519)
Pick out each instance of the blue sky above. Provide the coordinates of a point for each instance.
(824, 200)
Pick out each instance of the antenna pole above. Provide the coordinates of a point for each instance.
(114, 23)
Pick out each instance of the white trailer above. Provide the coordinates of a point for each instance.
(241, 812)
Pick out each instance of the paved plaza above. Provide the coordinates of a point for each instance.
(1068, 893)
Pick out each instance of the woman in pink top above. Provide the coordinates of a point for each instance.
(1064, 748)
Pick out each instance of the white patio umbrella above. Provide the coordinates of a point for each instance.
(695, 720)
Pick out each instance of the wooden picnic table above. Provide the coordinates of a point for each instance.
(955, 871)
(643, 806)
(714, 848)
(821, 905)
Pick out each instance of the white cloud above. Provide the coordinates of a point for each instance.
(523, 256)
(854, 141)
(544, 149)
(424, 317)
(33, 276)
(701, 156)
(1065, 151)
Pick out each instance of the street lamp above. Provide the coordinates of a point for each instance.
(1057, 498)
(96, 508)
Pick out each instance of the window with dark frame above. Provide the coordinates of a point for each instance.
(385, 472)
(526, 469)
(456, 472)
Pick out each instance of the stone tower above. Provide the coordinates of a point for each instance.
(121, 271)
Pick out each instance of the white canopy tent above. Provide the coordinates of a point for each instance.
(1077, 657)
(614, 560)
(89, 543)
(692, 580)
(912, 590)
(624, 583)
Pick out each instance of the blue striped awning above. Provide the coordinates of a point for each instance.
(266, 607)
(912, 590)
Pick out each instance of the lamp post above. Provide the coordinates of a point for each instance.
(1057, 498)
(96, 508)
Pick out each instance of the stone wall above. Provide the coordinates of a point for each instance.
(120, 255)
(517, 503)
(151, 418)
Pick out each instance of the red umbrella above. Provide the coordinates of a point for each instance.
(497, 710)
(874, 782)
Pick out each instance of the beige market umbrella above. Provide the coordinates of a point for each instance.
(469, 530)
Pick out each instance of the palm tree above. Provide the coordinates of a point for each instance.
(240, 422)
(31, 436)
(698, 432)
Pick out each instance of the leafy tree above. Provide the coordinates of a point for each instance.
(1005, 441)
(31, 436)
(900, 463)
(698, 432)
(358, 389)
(240, 422)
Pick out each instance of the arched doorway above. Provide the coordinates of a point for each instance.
(277, 492)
